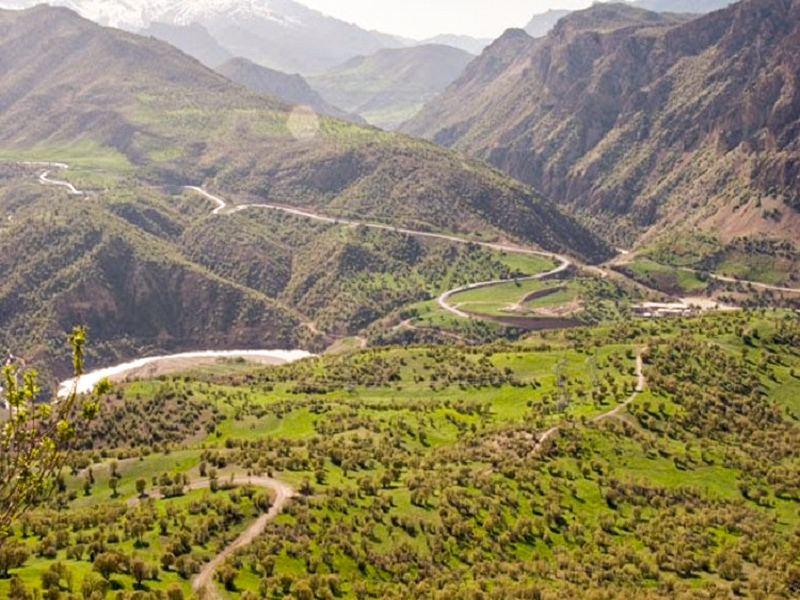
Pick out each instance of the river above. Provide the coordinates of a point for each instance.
(159, 365)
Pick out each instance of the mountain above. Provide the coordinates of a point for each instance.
(280, 34)
(289, 88)
(148, 267)
(193, 40)
(683, 6)
(463, 42)
(644, 125)
(540, 25)
(390, 86)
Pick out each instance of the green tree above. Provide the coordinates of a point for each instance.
(36, 438)
(106, 564)
(12, 556)
(17, 590)
(226, 575)
(140, 571)
(93, 587)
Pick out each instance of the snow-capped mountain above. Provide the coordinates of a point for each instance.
(128, 14)
(281, 34)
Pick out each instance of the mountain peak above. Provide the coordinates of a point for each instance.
(280, 34)
(623, 114)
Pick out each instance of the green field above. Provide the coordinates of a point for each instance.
(671, 280)
(498, 300)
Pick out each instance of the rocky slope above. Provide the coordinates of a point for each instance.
(540, 25)
(641, 121)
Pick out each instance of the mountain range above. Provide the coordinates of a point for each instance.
(643, 122)
(389, 87)
(541, 24)
(147, 266)
(293, 89)
(280, 34)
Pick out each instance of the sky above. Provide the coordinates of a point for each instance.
(420, 19)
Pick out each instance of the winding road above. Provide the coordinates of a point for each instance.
(203, 585)
(44, 177)
(755, 284)
(443, 300)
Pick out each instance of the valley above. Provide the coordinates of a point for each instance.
(294, 309)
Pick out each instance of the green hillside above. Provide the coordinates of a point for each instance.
(143, 262)
(426, 472)
(391, 86)
(175, 121)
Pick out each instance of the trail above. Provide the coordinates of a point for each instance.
(443, 300)
(626, 256)
(203, 584)
(283, 493)
(641, 384)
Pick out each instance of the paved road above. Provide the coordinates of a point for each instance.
(443, 300)
(755, 284)
(44, 177)
(45, 180)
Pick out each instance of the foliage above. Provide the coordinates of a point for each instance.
(36, 436)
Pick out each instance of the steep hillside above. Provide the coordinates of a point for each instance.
(683, 6)
(171, 120)
(148, 266)
(540, 25)
(640, 122)
(391, 86)
(280, 34)
(114, 265)
(289, 88)
(194, 40)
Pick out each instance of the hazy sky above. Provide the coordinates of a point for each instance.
(420, 19)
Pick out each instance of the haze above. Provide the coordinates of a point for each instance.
(421, 19)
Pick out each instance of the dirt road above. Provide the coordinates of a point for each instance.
(641, 384)
(203, 584)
